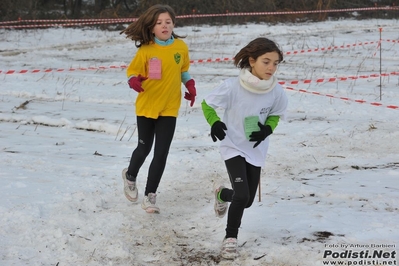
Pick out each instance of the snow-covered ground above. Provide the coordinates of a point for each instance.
(331, 177)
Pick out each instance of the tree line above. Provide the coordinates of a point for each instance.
(70, 9)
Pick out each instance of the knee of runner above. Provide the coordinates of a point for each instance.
(160, 156)
(143, 149)
(241, 199)
(249, 204)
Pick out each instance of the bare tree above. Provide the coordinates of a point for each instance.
(37, 9)
(99, 5)
(72, 8)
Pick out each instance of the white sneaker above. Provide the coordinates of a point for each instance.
(129, 187)
(220, 207)
(229, 248)
(149, 203)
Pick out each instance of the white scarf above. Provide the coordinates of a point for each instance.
(254, 84)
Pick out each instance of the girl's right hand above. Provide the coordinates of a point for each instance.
(217, 131)
(135, 83)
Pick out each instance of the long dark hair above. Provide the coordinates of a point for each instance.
(254, 49)
(140, 31)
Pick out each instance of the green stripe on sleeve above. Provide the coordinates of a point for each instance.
(209, 113)
(272, 121)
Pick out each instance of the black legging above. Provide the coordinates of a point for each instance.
(163, 129)
(244, 178)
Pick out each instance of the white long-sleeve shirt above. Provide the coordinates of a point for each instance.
(238, 103)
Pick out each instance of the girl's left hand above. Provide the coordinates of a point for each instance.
(260, 135)
(192, 92)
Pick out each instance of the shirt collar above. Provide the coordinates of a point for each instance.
(254, 84)
(164, 43)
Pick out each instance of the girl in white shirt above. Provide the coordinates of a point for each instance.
(253, 104)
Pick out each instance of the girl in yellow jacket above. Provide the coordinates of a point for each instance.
(156, 72)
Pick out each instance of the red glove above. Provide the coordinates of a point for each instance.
(192, 92)
(135, 83)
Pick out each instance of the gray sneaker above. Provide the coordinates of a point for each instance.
(129, 187)
(149, 203)
(220, 207)
(229, 248)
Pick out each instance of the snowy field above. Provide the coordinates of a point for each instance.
(331, 177)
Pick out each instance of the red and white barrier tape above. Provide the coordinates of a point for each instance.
(25, 71)
(334, 79)
(210, 60)
(86, 22)
(331, 48)
(395, 107)
(394, 41)
(111, 20)
(33, 26)
(295, 52)
(233, 14)
(292, 82)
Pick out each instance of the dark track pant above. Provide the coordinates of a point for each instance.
(244, 179)
(162, 129)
